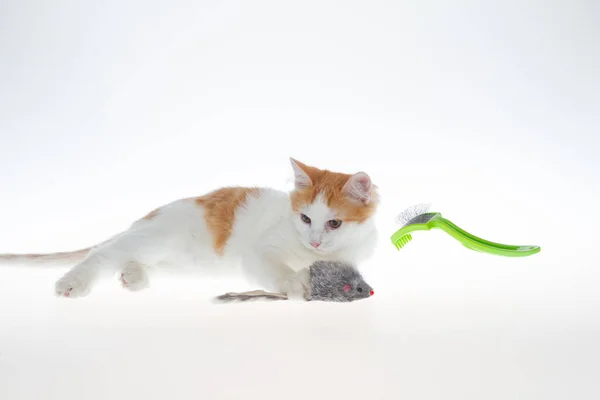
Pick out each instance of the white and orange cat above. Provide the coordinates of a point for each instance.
(275, 235)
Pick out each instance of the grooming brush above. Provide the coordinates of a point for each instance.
(418, 218)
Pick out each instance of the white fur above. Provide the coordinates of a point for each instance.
(270, 240)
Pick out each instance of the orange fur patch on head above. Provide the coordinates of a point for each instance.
(330, 185)
(219, 211)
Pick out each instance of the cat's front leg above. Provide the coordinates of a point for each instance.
(296, 284)
(267, 270)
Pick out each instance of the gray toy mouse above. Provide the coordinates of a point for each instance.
(334, 281)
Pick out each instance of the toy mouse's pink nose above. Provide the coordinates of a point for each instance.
(315, 244)
(372, 292)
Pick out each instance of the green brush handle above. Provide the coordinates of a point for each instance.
(467, 239)
(478, 244)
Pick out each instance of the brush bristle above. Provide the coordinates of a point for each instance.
(403, 241)
(411, 213)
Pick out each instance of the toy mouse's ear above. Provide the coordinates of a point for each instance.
(346, 288)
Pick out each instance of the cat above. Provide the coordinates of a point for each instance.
(273, 234)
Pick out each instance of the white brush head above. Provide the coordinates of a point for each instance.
(411, 213)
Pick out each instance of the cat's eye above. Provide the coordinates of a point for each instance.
(359, 289)
(305, 219)
(334, 223)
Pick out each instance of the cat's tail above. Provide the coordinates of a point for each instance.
(62, 258)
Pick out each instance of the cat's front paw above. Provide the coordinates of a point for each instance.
(73, 285)
(296, 286)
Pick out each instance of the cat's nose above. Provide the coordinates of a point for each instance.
(315, 244)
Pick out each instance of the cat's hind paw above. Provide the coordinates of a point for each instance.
(134, 277)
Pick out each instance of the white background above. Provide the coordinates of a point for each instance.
(487, 110)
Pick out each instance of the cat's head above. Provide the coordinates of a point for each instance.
(330, 209)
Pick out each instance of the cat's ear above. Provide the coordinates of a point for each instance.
(301, 178)
(359, 187)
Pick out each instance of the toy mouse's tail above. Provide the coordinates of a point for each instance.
(249, 296)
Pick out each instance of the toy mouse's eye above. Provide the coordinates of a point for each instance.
(359, 289)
